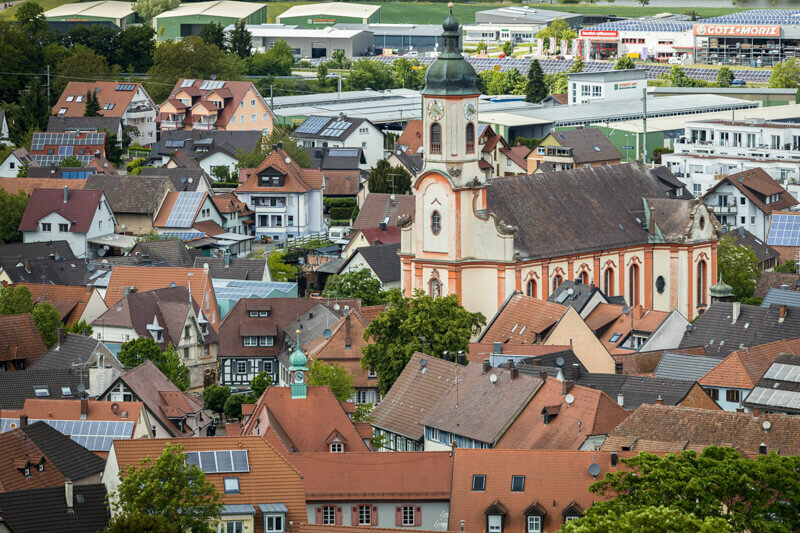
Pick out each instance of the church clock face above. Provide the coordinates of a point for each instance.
(298, 377)
(470, 110)
(435, 110)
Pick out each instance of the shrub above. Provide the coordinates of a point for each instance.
(341, 212)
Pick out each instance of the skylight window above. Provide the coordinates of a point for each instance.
(231, 485)
(615, 337)
(41, 392)
(66, 391)
(517, 483)
(70, 98)
(479, 482)
(597, 149)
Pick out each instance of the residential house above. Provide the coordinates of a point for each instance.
(286, 198)
(525, 491)
(209, 105)
(124, 279)
(74, 216)
(73, 351)
(344, 171)
(170, 411)
(260, 491)
(21, 344)
(522, 320)
(184, 211)
(342, 346)
(776, 280)
(684, 366)
(64, 509)
(381, 260)
(776, 391)
(79, 123)
(497, 157)
(584, 297)
(16, 161)
(300, 418)
(342, 132)
(402, 490)
(73, 302)
(135, 200)
(5, 138)
(50, 148)
(363, 237)
(410, 141)
(241, 268)
(381, 208)
(214, 151)
(671, 429)
(768, 257)
(781, 296)
(748, 199)
(61, 383)
(236, 216)
(29, 184)
(412, 163)
(417, 390)
(128, 101)
(645, 363)
(170, 317)
(621, 328)
(781, 235)
(534, 357)
(230, 291)
(90, 423)
(568, 149)
(183, 179)
(735, 377)
(54, 172)
(571, 330)
(169, 252)
(631, 391)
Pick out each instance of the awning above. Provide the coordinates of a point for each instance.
(272, 508)
(114, 240)
(238, 509)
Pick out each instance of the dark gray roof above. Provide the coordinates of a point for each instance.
(227, 141)
(781, 297)
(51, 262)
(573, 211)
(324, 129)
(548, 362)
(588, 145)
(183, 179)
(61, 124)
(685, 367)
(45, 510)
(332, 266)
(327, 158)
(779, 387)
(413, 163)
(716, 332)
(668, 178)
(772, 280)
(71, 459)
(170, 252)
(577, 299)
(16, 387)
(383, 260)
(240, 268)
(764, 252)
(140, 195)
(637, 390)
(74, 349)
(55, 172)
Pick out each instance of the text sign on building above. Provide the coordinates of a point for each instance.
(626, 85)
(599, 33)
(736, 30)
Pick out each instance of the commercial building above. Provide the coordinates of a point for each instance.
(500, 33)
(329, 13)
(118, 13)
(639, 39)
(311, 43)
(526, 15)
(608, 85)
(766, 95)
(190, 17)
(398, 39)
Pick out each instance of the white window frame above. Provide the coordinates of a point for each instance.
(241, 367)
(249, 341)
(276, 519)
(495, 523)
(534, 524)
(234, 526)
(231, 485)
(328, 515)
(364, 515)
(266, 340)
(408, 516)
(336, 447)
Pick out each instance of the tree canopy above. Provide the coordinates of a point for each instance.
(535, 91)
(277, 61)
(335, 376)
(420, 323)
(135, 352)
(13, 208)
(213, 33)
(48, 320)
(724, 77)
(356, 284)
(147, 9)
(240, 40)
(738, 266)
(215, 396)
(385, 178)
(170, 488)
(558, 29)
(647, 519)
(15, 300)
(624, 63)
(264, 148)
(785, 75)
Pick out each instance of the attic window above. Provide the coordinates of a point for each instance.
(41, 392)
(231, 485)
(337, 447)
(70, 98)
(66, 391)
(615, 337)
(517, 483)
(79, 98)
(478, 482)
(108, 106)
(597, 149)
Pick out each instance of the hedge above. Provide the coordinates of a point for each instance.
(341, 213)
(334, 222)
(338, 202)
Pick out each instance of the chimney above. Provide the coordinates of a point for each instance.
(27, 264)
(652, 226)
(782, 315)
(280, 145)
(462, 359)
(576, 371)
(68, 494)
(513, 369)
(227, 260)
(543, 375)
(740, 409)
(486, 366)
(613, 458)
(84, 408)
(638, 312)
(591, 284)
(618, 367)
(347, 330)
(497, 347)
(566, 386)
(60, 337)
(621, 400)
(735, 310)
(66, 193)
(23, 420)
(659, 400)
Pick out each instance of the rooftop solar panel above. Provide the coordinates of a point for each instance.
(313, 125)
(95, 435)
(343, 152)
(184, 209)
(784, 230)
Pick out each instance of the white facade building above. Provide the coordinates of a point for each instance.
(342, 132)
(610, 85)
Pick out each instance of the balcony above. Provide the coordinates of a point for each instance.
(171, 124)
(203, 126)
(436, 148)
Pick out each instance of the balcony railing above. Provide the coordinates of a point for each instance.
(436, 148)
(171, 124)
(205, 126)
(470, 148)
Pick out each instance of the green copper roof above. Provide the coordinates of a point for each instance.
(451, 74)
(721, 290)
(298, 360)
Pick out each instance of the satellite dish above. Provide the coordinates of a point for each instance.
(205, 266)
(123, 226)
(183, 179)
(626, 310)
(288, 160)
(13, 425)
(191, 180)
(326, 333)
(81, 388)
(90, 267)
(336, 307)
(101, 252)
(493, 378)
(560, 362)
(570, 399)
(766, 425)
(422, 363)
(594, 469)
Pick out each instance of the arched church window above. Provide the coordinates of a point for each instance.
(557, 281)
(608, 282)
(470, 138)
(531, 288)
(436, 138)
(701, 283)
(633, 287)
(436, 222)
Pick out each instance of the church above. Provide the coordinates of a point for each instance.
(629, 229)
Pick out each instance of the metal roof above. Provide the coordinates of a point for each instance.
(685, 367)
(221, 8)
(235, 509)
(336, 9)
(272, 508)
(281, 31)
(102, 8)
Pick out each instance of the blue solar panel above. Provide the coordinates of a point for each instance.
(784, 230)
(94, 435)
(185, 209)
(312, 125)
(184, 235)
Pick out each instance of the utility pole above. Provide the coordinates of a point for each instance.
(644, 125)
(48, 85)
(271, 99)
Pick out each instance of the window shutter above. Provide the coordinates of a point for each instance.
(398, 516)
(374, 516)
(338, 519)
(319, 515)
(354, 516)
(249, 366)
(418, 515)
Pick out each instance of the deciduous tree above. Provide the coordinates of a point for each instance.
(369, 73)
(508, 49)
(258, 385)
(385, 178)
(135, 352)
(264, 148)
(356, 284)
(277, 61)
(649, 519)
(233, 405)
(147, 9)
(13, 208)
(15, 300)
(31, 16)
(624, 63)
(738, 266)
(785, 75)
(558, 29)
(335, 376)
(215, 396)
(724, 77)
(48, 320)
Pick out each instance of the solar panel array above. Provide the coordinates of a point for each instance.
(174, 143)
(184, 209)
(94, 435)
(343, 152)
(187, 83)
(782, 372)
(55, 160)
(76, 174)
(644, 25)
(209, 85)
(759, 16)
(784, 230)
(220, 461)
(184, 235)
(336, 128)
(40, 140)
(125, 86)
(312, 125)
(208, 141)
(238, 289)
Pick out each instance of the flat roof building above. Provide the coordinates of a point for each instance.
(119, 13)
(526, 15)
(400, 38)
(311, 43)
(607, 85)
(190, 17)
(329, 13)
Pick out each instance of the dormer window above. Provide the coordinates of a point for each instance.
(41, 391)
(155, 330)
(41, 467)
(336, 447)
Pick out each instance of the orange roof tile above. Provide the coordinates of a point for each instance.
(344, 347)
(411, 137)
(527, 317)
(297, 179)
(14, 185)
(271, 478)
(743, 368)
(320, 528)
(45, 409)
(370, 312)
(479, 351)
(699, 398)
(20, 339)
(229, 203)
(106, 92)
(18, 450)
(643, 320)
(71, 298)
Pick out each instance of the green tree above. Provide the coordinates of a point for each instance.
(577, 65)
(100, 39)
(508, 49)
(789, 267)
(258, 385)
(643, 2)
(624, 63)
(233, 405)
(335, 376)
(558, 29)
(658, 151)
(84, 64)
(213, 33)
(363, 412)
(338, 59)
(174, 369)
(170, 488)
(677, 78)
(408, 73)
(369, 73)
(384, 178)
(280, 270)
(19, 52)
(557, 83)
(147, 9)
(78, 328)
(70, 161)
(751, 494)
(134, 48)
(536, 90)
(135, 352)
(785, 75)
(322, 74)
(482, 47)
(421, 323)
(277, 61)
(215, 396)
(48, 320)
(356, 284)
(648, 519)
(13, 208)
(31, 16)
(139, 523)
(15, 300)
(738, 266)
(241, 40)
(276, 136)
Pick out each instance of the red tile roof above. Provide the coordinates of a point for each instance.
(236, 91)
(643, 320)
(415, 476)
(756, 182)
(297, 179)
(20, 339)
(79, 209)
(378, 236)
(344, 347)
(379, 206)
(411, 137)
(743, 368)
(479, 351)
(522, 319)
(14, 185)
(320, 528)
(44, 409)
(18, 450)
(106, 94)
(517, 154)
(70, 300)
(342, 182)
(230, 203)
